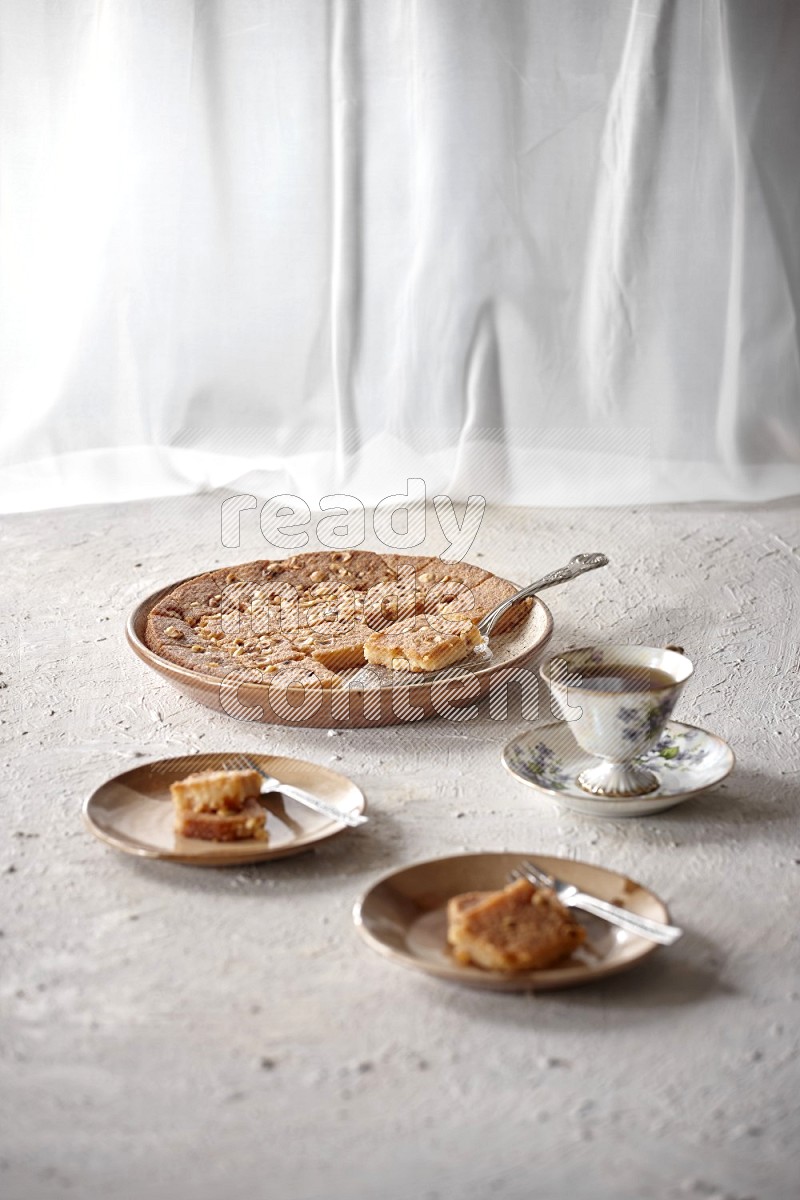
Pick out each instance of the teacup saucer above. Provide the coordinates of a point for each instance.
(687, 760)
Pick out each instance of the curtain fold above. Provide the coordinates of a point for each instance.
(542, 251)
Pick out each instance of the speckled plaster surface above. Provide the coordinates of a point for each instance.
(175, 1033)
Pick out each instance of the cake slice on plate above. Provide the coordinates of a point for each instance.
(521, 928)
(420, 644)
(249, 823)
(477, 602)
(337, 645)
(219, 806)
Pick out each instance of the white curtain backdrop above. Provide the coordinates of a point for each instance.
(543, 250)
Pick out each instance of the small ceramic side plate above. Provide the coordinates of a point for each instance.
(133, 812)
(686, 760)
(404, 917)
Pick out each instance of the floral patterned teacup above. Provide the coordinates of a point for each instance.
(610, 720)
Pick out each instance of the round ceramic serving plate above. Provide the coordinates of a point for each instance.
(687, 760)
(404, 917)
(391, 697)
(133, 811)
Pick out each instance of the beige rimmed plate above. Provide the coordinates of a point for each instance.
(133, 811)
(397, 699)
(403, 916)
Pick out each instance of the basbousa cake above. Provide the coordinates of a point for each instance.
(298, 621)
(521, 928)
(219, 806)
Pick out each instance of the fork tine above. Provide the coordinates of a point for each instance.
(535, 874)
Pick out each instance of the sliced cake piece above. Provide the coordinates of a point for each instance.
(482, 599)
(330, 602)
(265, 609)
(520, 928)
(448, 594)
(249, 822)
(393, 599)
(436, 570)
(335, 644)
(268, 653)
(215, 791)
(306, 673)
(415, 644)
(442, 583)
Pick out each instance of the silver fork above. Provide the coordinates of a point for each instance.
(572, 897)
(271, 784)
(575, 566)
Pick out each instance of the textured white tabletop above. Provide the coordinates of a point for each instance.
(183, 1034)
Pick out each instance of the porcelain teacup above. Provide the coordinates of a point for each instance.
(617, 700)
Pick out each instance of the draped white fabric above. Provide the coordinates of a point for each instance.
(542, 250)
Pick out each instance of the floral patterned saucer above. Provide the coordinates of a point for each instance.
(687, 760)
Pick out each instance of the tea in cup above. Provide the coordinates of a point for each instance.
(617, 700)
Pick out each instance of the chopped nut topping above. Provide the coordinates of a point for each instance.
(310, 611)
